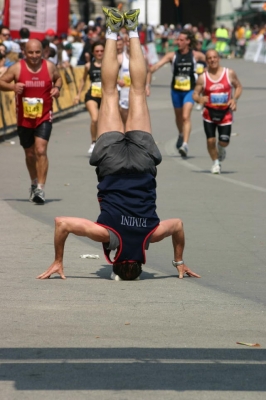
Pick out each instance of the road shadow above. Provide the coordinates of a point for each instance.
(156, 369)
(207, 171)
(105, 273)
(47, 201)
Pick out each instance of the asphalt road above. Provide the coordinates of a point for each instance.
(225, 227)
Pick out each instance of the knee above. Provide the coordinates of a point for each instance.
(185, 118)
(30, 154)
(211, 143)
(224, 140)
(94, 121)
(40, 151)
(179, 224)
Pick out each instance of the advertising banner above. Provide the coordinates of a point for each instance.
(36, 15)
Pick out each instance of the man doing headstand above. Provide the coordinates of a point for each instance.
(126, 162)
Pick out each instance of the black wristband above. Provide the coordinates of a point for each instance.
(58, 87)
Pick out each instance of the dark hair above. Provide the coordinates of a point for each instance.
(128, 270)
(24, 33)
(2, 56)
(96, 44)
(190, 36)
(45, 43)
(4, 27)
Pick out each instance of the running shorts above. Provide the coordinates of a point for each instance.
(179, 98)
(27, 135)
(129, 153)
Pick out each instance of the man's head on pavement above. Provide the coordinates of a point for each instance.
(33, 52)
(212, 59)
(127, 270)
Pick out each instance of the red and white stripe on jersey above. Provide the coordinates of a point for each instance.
(219, 93)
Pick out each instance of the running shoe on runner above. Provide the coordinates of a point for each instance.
(91, 149)
(32, 190)
(131, 19)
(183, 150)
(179, 142)
(216, 169)
(221, 153)
(114, 19)
(38, 196)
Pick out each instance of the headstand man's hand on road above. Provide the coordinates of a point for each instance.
(183, 269)
(55, 268)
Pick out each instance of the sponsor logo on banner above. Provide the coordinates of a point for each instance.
(36, 15)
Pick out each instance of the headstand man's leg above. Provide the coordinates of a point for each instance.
(138, 115)
(109, 115)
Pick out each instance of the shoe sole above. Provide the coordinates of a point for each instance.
(182, 152)
(38, 201)
(127, 18)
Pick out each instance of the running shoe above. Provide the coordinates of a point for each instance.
(38, 196)
(114, 19)
(183, 150)
(221, 153)
(216, 169)
(179, 142)
(131, 19)
(32, 190)
(91, 149)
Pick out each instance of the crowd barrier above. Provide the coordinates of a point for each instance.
(71, 78)
(256, 51)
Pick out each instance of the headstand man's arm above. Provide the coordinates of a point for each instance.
(78, 226)
(174, 228)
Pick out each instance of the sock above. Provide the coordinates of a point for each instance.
(133, 34)
(41, 186)
(181, 134)
(184, 143)
(216, 162)
(110, 35)
(34, 182)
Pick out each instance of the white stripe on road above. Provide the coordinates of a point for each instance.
(170, 145)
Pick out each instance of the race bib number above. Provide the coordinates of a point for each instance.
(32, 107)
(96, 89)
(182, 83)
(199, 69)
(127, 80)
(219, 99)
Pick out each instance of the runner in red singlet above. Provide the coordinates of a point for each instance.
(35, 82)
(220, 89)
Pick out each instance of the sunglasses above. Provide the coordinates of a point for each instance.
(6, 34)
(98, 51)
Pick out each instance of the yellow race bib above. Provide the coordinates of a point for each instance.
(96, 89)
(182, 83)
(199, 68)
(32, 107)
(127, 80)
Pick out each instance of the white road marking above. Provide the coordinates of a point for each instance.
(170, 145)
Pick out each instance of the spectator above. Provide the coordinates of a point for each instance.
(50, 36)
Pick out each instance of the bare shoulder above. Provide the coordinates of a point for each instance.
(12, 73)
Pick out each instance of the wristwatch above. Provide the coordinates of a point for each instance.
(177, 263)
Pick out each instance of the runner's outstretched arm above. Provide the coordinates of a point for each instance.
(78, 226)
(174, 228)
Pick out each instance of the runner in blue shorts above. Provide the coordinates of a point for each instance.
(125, 160)
(184, 64)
